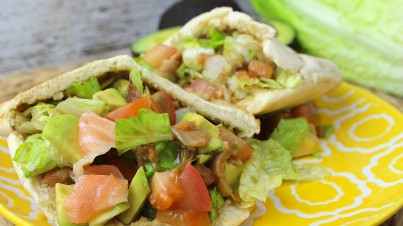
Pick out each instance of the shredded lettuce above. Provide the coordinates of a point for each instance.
(147, 127)
(217, 201)
(78, 106)
(167, 154)
(248, 84)
(216, 39)
(84, 90)
(312, 173)
(135, 77)
(188, 42)
(37, 156)
(289, 133)
(33, 119)
(268, 166)
(288, 80)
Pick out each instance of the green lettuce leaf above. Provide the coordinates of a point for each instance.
(167, 154)
(312, 173)
(248, 84)
(147, 127)
(135, 77)
(275, 159)
(216, 39)
(290, 132)
(358, 36)
(289, 80)
(78, 106)
(269, 165)
(188, 42)
(33, 119)
(84, 90)
(255, 183)
(38, 156)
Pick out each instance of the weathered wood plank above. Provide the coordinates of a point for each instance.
(38, 33)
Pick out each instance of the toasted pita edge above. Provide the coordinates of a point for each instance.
(43, 194)
(319, 75)
(53, 87)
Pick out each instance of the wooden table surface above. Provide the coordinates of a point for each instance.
(14, 82)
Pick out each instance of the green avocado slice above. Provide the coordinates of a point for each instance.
(138, 191)
(149, 41)
(103, 218)
(62, 192)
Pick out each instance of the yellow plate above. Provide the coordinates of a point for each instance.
(364, 154)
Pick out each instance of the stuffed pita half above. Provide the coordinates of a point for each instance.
(104, 144)
(229, 59)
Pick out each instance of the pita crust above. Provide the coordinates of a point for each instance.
(43, 194)
(319, 75)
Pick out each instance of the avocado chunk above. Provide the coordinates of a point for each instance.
(213, 144)
(62, 132)
(122, 86)
(62, 192)
(233, 171)
(78, 106)
(285, 33)
(112, 97)
(203, 158)
(204, 125)
(138, 191)
(149, 41)
(105, 217)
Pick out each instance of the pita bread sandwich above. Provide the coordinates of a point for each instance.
(229, 59)
(105, 144)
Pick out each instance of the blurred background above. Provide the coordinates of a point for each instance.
(42, 33)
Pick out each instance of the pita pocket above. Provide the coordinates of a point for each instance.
(71, 132)
(229, 59)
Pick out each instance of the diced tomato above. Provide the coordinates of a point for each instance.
(129, 110)
(303, 110)
(103, 170)
(155, 56)
(195, 193)
(165, 189)
(93, 195)
(184, 217)
(259, 68)
(202, 87)
(203, 57)
(243, 151)
(166, 104)
(242, 75)
(55, 176)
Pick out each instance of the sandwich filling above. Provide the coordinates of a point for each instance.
(219, 65)
(114, 149)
